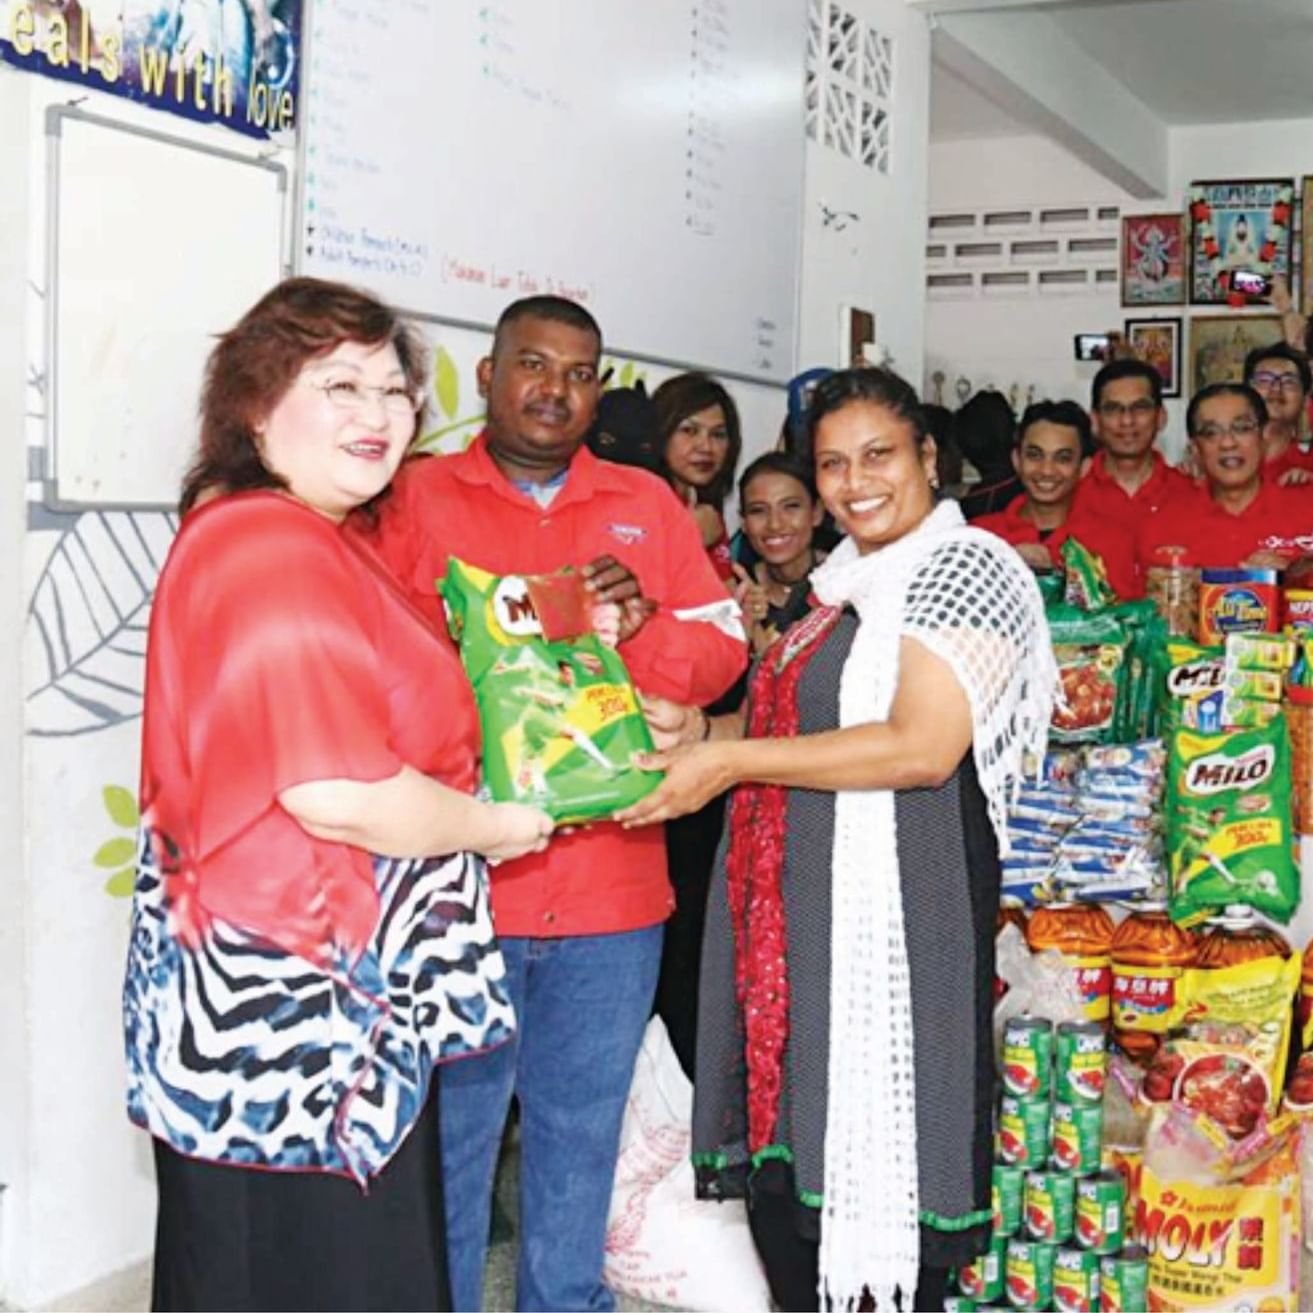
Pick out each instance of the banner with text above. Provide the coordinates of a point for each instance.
(234, 62)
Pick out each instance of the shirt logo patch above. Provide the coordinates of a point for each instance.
(628, 534)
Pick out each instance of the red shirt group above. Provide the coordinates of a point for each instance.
(1169, 509)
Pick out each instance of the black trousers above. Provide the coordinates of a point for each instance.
(242, 1239)
(792, 1259)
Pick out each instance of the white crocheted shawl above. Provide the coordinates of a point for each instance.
(970, 599)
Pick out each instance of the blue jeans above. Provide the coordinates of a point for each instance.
(582, 1004)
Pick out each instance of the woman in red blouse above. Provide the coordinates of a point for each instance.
(700, 443)
(311, 934)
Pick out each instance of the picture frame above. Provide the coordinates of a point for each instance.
(1242, 223)
(1153, 251)
(1158, 343)
(1219, 344)
(1306, 247)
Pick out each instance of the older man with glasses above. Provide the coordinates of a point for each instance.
(1128, 478)
(1237, 517)
(1280, 375)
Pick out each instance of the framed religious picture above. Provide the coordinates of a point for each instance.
(1220, 343)
(1306, 251)
(1158, 343)
(1153, 259)
(1241, 225)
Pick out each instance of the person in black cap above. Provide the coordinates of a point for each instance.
(625, 430)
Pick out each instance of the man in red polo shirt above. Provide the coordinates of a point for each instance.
(1128, 479)
(1280, 375)
(1237, 517)
(580, 924)
(1053, 448)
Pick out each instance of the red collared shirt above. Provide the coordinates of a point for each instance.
(602, 879)
(1099, 496)
(1290, 459)
(1114, 546)
(1277, 520)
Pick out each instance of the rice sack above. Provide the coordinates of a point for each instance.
(1228, 823)
(558, 713)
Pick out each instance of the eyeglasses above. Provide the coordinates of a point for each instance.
(1285, 382)
(344, 394)
(1136, 410)
(1238, 428)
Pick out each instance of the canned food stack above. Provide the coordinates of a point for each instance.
(1059, 1217)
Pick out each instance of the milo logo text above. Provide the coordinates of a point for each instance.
(1193, 677)
(513, 609)
(1216, 772)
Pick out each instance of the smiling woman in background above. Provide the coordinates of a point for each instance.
(310, 933)
(845, 1058)
(700, 444)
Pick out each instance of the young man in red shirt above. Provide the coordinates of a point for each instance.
(1128, 479)
(1280, 375)
(1237, 518)
(580, 924)
(1053, 450)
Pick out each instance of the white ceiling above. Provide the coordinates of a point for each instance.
(1188, 61)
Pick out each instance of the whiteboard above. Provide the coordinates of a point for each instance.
(646, 160)
(156, 245)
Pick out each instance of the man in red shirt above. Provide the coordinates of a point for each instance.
(580, 924)
(1053, 449)
(1128, 479)
(1280, 375)
(1237, 518)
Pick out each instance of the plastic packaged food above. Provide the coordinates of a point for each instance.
(1189, 682)
(1222, 1230)
(1087, 586)
(1227, 1058)
(1083, 934)
(1299, 725)
(1228, 823)
(1172, 584)
(1272, 652)
(559, 717)
(1090, 650)
(1149, 954)
(1305, 1009)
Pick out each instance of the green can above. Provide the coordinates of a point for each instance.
(1030, 1273)
(1075, 1280)
(1027, 1057)
(1050, 1205)
(959, 1304)
(1078, 1137)
(1005, 1194)
(982, 1281)
(1125, 1281)
(1100, 1204)
(1023, 1131)
(1082, 1062)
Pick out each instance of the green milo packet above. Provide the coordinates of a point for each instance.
(1229, 834)
(559, 717)
(1087, 588)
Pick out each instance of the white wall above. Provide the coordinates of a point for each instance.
(1004, 340)
(16, 1015)
(1009, 341)
(78, 1203)
(877, 262)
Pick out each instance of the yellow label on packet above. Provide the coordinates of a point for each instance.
(1227, 1247)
